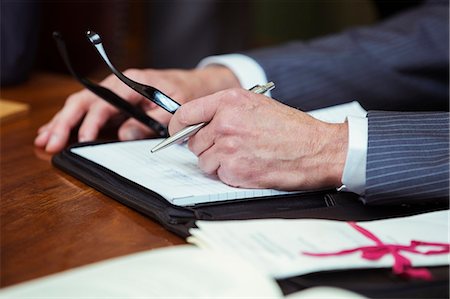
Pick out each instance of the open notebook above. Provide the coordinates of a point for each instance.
(173, 172)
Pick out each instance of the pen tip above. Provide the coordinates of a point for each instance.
(155, 149)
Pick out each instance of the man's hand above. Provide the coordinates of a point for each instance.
(253, 141)
(93, 112)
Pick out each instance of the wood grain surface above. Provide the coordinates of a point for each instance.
(49, 221)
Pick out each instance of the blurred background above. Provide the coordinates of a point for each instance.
(165, 33)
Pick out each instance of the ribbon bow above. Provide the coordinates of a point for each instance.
(402, 265)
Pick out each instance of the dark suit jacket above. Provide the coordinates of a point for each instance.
(400, 64)
(18, 39)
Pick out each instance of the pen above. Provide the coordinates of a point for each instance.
(191, 130)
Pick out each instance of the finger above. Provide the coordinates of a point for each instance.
(41, 139)
(44, 133)
(49, 124)
(121, 89)
(228, 178)
(58, 137)
(54, 135)
(148, 105)
(209, 161)
(160, 115)
(202, 140)
(94, 120)
(44, 127)
(132, 130)
(195, 112)
(76, 107)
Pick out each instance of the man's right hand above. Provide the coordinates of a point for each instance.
(93, 112)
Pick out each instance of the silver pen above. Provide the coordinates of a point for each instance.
(191, 130)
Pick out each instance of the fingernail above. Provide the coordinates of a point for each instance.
(133, 134)
(52, 143)
(41, 138)
(84, 138)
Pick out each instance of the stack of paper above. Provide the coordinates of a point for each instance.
(276, 246)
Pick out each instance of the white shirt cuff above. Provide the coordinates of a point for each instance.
(245, 68)
(354, 176)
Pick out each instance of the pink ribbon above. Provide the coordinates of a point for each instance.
(402, 265)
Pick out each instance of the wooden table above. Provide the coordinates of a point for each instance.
(50, 221)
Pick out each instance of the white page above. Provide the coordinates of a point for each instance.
(324, 293)
(276, 245)
(175, 272)
(173, 172)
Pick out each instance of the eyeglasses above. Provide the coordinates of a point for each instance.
(151, 93)
(111, 97)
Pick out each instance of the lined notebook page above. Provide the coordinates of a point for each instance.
(173, 172)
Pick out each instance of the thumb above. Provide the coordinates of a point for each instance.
(196, 111)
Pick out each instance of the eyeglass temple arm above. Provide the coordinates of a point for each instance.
(149, 92)
(109, 96)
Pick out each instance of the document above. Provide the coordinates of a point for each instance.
(173, 172)
(280, 247)
(176, 272)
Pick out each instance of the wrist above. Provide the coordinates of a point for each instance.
(320, 156)
(341, 148)
(335, 151)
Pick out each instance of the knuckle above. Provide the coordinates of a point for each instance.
(226, 125)
(232, 167)
(60, 127)
(229, 145)
(240, 171)
(232, 95)
(73, 99)
(79, 99)
(102, 108)
(227, 176)
(224, 176)
(94, 123)
(236, 93)
(223, 128)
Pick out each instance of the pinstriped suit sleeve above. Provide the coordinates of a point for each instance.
(393, 65)
(407, 157)
(399, 65)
